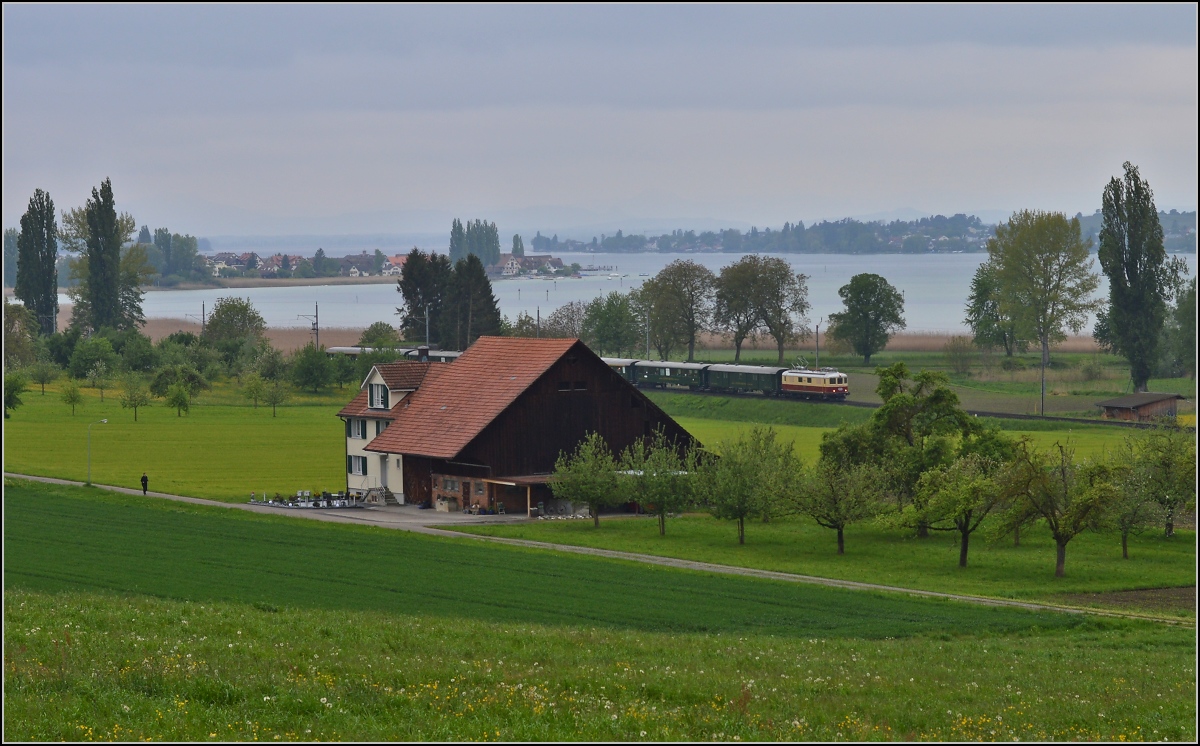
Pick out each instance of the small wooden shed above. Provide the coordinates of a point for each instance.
(1140, 407)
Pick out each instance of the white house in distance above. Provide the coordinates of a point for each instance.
(381, 397)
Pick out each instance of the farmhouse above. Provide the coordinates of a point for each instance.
(485, 430)
(1140, 407)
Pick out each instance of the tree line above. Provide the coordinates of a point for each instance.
(919, 465)
(232, 347)
(1038, 283)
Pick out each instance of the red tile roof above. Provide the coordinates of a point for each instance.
(405, 375)
(453, 406)
(358, 408)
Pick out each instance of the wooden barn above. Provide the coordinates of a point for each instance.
(1140, 407)
(486, 430)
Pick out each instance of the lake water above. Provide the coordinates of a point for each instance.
(935, 288)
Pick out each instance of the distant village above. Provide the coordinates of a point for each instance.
(281, 266)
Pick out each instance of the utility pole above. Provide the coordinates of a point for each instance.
(426, 324)
(647, 335)
(315, 318)
(539, 322)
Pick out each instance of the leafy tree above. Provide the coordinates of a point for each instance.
(753, 473)
(589, 475)
(169, 375)
(687, 290)
(379, 334)
(89, 353)
(610, 324)
(656, 477)
(144, 236)
(423, 283)
(134, 393)
(253, 387)
(179, 397)
(735, 310)
(98, 377)
(1183, 330)
(270, 363)
(234, 319)
(319, 263)
(312, 368)
(781, 297)
(566, 321)
(104, 273)
(1135, 262)
(662, 315)
(525, 326)
(138, 352)
(276, 394)
(958, 350)
(1044, 278)
(70, 395)
(61, 345)
(43, 372)
(10, 257)
(957, 497)
(344, 370)
(1069, 496)
(20, 333)
(469, 310)
(989, 327)
(14, 386)
(37, 256)
(1133, 508)
(837, 497)
(305, 269)
(1166, 458)
(518, 246)
(874, 310)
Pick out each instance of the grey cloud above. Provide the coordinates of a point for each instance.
(262, 35)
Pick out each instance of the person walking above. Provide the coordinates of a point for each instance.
(145, 482)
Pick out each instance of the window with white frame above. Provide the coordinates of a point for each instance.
(356, 429)
(356, 465)
(380, 426)
(378, 396)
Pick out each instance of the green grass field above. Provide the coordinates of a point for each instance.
(219, 451)
(129, 618)
(1086, 440)
(879, 555)
(224, 448)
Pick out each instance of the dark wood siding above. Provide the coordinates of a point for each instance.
(579, 394)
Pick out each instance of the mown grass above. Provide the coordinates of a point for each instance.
(220, 451)
(64, 538)
(130, 618)
(90, 666)
(890, 557)
(1087, 441)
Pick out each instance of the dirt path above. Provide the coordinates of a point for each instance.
(406, 518)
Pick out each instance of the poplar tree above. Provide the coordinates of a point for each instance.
(103, 254)
(1135, 262)
(37, 257)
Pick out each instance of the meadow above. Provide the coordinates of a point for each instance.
(224, 448)
(129, 618)
(876, 554)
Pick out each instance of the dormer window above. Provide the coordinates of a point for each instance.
(378, 396)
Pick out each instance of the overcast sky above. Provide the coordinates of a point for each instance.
(224, 119)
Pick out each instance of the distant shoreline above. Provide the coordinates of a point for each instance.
(259, 282)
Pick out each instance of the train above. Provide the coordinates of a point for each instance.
(828, 384)
(410, 353)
